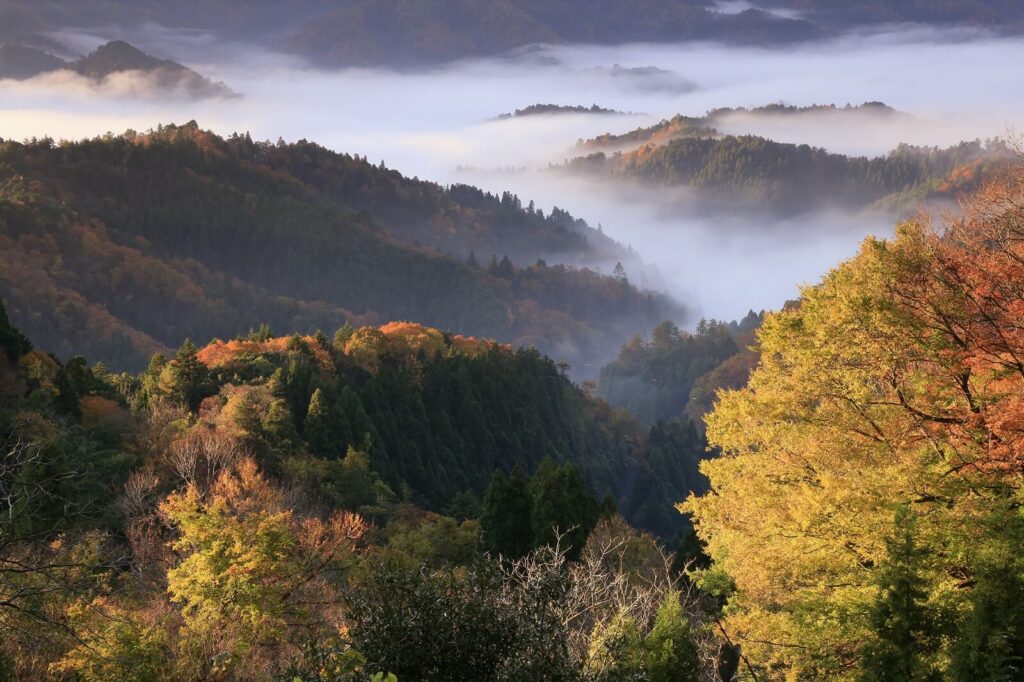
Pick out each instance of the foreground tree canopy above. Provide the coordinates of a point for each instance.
(865, 519)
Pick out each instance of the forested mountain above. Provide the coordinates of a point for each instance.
(755, 172)
(705, 126)
(134, 501)
(367, 32)
(394, 33)
(750, 172)
(126, 245)
(20, 63)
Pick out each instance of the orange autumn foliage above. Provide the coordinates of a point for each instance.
(104, 415)
(971, 292)
(224, 353)
(365, 347)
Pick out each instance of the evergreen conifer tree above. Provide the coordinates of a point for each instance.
(903, 625)
(505, 522)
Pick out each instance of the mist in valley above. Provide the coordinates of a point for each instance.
(440, 124)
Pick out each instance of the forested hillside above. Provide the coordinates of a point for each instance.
(656, 378)
(255, 510)
(755, 172)
(122, 246)
(385, 31)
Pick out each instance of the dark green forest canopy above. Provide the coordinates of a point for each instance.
(122, 246)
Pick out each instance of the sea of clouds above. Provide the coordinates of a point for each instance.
(439, 124)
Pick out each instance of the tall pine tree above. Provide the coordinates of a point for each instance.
(505, 522)
(190, 377)
(904, 628)
(562, 505)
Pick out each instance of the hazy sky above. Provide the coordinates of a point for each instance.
(956, 85)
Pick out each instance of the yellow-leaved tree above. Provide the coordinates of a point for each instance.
(892, 388)
(253, 577)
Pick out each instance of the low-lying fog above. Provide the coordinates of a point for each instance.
(439, 124)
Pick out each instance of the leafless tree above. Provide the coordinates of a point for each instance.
(200, 455)
(606, 582)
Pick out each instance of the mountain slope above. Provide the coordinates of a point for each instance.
(414, 34)
(396, 33)
(118, 57)
(708, 125)
(458, 220)
(129, 244)
(654, 380)
(20, 62)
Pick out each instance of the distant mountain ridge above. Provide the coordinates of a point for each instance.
(547, 109)
(123, 246)
(397, 33)
(21, 63)
(402, 34)
(704, 126)
(746, 172)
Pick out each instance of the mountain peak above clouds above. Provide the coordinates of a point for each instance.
(19, 62)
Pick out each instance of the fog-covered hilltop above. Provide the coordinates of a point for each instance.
(547, 109)
(755, 173)
(116, 57)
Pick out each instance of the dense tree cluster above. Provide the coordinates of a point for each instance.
(865, 515)
(653, 378)
(554, 505)
(545, 109)
(436, 415)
